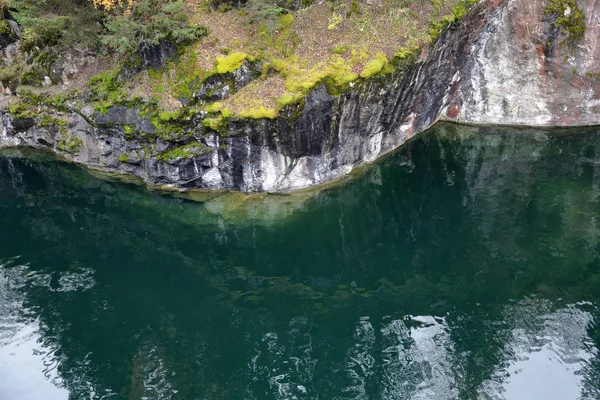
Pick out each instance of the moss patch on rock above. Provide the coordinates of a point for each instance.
(569, 19)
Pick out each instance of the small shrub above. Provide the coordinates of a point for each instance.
(148, 23)
(354, 9)
(47, 31)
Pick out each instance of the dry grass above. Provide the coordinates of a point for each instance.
(308, 45)
(227, 31)
(260, 93)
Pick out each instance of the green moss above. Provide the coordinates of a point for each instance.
(194, 149)
(230, 63)
(595, 75)
(287, 99)
(124, 158)
(278, 65)
(340, 50)
(129, 131)
(69, 144)
(458, 13)
(21, 110)
(213, 107)
(214, 123)
(49, 122)
(106, 89)
(374, 66)
(167, 116)
(258, 113)
(187, 75)
(569, 19)
(5, 27)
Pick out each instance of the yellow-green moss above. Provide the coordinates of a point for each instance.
(230, 63)
(340, 50)
(458, 13)
(374, 66)
(214, 123)
(258, 112)
(278, 65)
(340, 72)
(407, 52)
(286, 99)
(302, 81)
(213, 107)
(167, 116)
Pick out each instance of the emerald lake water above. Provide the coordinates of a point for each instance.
(466, 265)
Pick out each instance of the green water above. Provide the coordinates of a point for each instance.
(464, 266)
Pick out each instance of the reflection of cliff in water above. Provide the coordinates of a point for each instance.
(432, 273)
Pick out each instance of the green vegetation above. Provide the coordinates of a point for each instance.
(569, 19)
(230, 63)
(105, 89)
(21, 110)
(288, 52)
(148, 23)
(459, 10)
(69, 144)
(52, 122)
(258, 112)
(167, 116)
(215, 123)
(189, 150)
(374, 66)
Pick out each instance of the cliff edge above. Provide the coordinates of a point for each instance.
(511, 62)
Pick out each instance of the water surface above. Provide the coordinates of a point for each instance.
(464, 266)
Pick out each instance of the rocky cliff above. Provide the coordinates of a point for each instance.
(507, 62)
